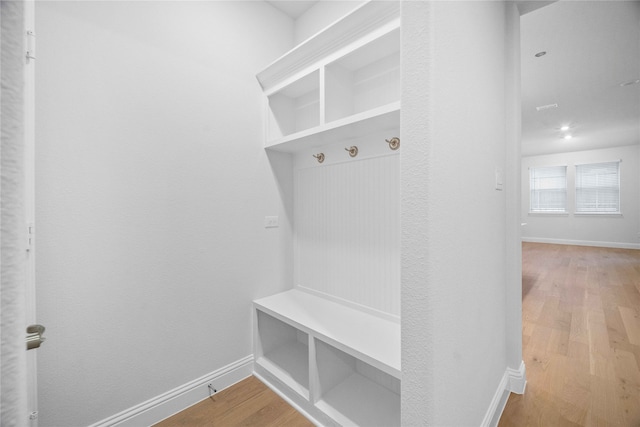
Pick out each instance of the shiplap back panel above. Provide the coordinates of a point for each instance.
(347, 227)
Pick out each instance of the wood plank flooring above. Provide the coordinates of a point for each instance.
(581, 338)
(247, 403)
(581, 347)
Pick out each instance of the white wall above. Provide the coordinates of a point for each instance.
(597, 230)
(512, 188)
(320, 16)
(152, 185)
(454, 339)
(14, 398)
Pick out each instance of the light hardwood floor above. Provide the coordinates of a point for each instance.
(581, 347)
(247, 403)
(581, 338)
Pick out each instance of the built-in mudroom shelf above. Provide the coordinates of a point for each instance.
(330, 358)
(341, 83)
(331, 344)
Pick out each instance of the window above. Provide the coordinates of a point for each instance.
(548, 188)
(598, 188)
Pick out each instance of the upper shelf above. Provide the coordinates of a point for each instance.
(340, 83)
(366, 19)
(379, 119)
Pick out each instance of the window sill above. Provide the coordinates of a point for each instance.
(603, 214)
(548, 213)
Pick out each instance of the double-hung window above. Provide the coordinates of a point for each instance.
(548, 189)
(598, 188)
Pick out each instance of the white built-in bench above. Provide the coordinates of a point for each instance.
(338, 89)
(340, 364)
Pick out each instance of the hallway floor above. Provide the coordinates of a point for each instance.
(581, 337)
(247, 403)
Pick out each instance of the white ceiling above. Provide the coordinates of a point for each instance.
(293, 8)
(592, 47)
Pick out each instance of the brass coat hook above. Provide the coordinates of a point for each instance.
(394, 143)
(319, 157)
(353, 150)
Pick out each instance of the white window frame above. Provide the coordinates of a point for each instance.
(602, 190)
(537, 184)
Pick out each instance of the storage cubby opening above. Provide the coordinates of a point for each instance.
(295, 107)
(365, 79)
(353, 392)
(286, 349)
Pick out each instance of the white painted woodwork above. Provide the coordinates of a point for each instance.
(351, 362)
(347, 229)
(353, 393)
(367, 337)
(332, 344)
(295, 107)
(348, 32)
(380, 120)
(364, 79)
(285, 351)
(341, 83)
(179, 398)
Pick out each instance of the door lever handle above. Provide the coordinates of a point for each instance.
(34, 336)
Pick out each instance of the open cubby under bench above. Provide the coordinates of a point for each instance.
(338, 363)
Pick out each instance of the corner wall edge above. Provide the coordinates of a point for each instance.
(517, 379)
(513, 381)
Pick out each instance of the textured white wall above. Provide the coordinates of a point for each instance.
(152, 185)
(321, 15)
(453, 220)
(417, 390)
(605, 230)
(13, 363)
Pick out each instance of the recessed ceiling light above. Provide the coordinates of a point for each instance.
(564, 128)
(631, 82)
(568, 137)
(539, 54)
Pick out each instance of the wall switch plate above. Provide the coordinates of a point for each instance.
(499, 179)
(270, 221)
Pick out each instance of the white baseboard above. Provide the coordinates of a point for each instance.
(517, 379)
(163, 406)
(513, 381)
(497, 403)
(617, 245)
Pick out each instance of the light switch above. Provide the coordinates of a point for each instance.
(270, 221)
(499, 179)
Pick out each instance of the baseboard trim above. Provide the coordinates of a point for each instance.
(616, 245)
(517, 379)
(513, 381)
(497, 403)
(163, 406)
